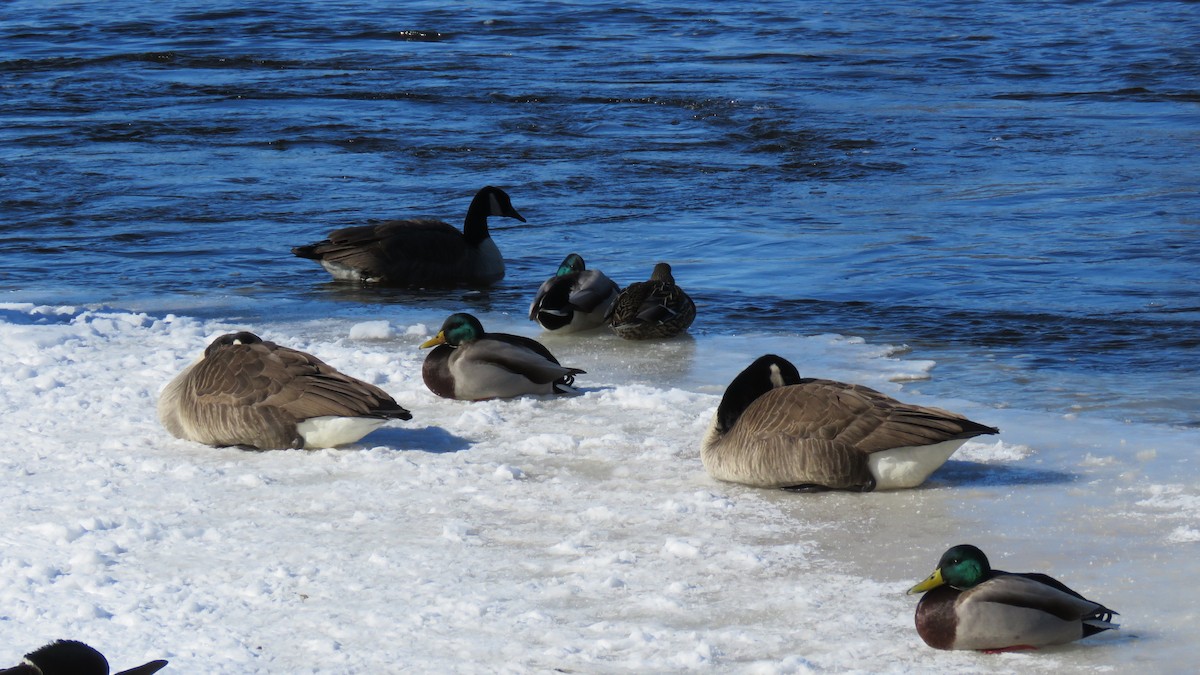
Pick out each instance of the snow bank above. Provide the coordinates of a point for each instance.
(534, 534)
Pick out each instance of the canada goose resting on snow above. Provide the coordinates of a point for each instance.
(249, 392)
(652, 309)
(971, 606)
(574, 299)
(472, 365)
(775, 429)
(418, 252)
(69, 657)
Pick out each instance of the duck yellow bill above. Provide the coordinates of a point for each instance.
(929, 584)
(438, 339)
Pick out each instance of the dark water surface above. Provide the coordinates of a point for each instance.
(1009, 190)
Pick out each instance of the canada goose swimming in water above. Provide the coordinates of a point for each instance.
(574, 299)
(418, 252)
(971, 606)
(69, 657)
(652, 309)
(249, 392)
(472, 365)
(775, 429)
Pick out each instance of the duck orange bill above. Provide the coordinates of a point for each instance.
(434, 341)
(929, 584)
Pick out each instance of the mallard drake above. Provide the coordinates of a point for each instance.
(70, 657)
(775, 429)
(969, 605)
(249, 392)
(652, 309)
(418, 252)
(472, 365)
(574, 299)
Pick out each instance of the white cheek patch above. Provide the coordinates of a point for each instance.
(776, 376)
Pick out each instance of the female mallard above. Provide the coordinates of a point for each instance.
(418, 252)
(70, 657)
(774, 429)
(574, 299)
(471, 365)
(971, 606)
(249, 392)
(652, 309)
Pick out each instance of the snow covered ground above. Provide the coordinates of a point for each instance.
(575, 534)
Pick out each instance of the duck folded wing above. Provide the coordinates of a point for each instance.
(591, 289)
(1030, 591)
(537, 365)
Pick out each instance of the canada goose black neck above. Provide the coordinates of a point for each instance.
(490, 201)
(766, 373)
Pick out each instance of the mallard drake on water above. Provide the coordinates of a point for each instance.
(472, 365)
(418, 252)
(968, 605)
(249, 392)
(70, 657)
(574, 299)
(775, 429)
(656, 308)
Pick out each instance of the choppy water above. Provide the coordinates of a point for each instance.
(1009, 190)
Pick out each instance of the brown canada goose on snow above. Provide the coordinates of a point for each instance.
(472, 365)
(969, 605)
(657, 308)
(70, 657)
(418, 252)
(775, 429)
(249, 392)
(574, 299)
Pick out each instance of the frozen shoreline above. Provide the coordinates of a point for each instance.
(533, 534)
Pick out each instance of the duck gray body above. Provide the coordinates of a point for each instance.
(249, 392)
(70, 657)
(418, 252)
(968, 605)
(470, 364)
(574, 299)
(656, 308)
(774, 429)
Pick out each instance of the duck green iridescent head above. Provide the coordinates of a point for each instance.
(458, 329)
(961, 567)
(571, 264)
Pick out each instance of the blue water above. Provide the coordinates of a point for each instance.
(1008, 190)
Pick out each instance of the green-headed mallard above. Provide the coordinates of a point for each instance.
(652, 309)
(71, 657)
(969, 605)
(472, 365)
(253, 393)
(418, 252)
(574, 299)
(775, 429)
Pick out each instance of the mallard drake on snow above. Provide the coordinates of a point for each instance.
(418, 252)
(249, 392)
(775, 429)
(969, 605)
(656, 308)
(70, 657)
(574, 299)
(472, 365)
